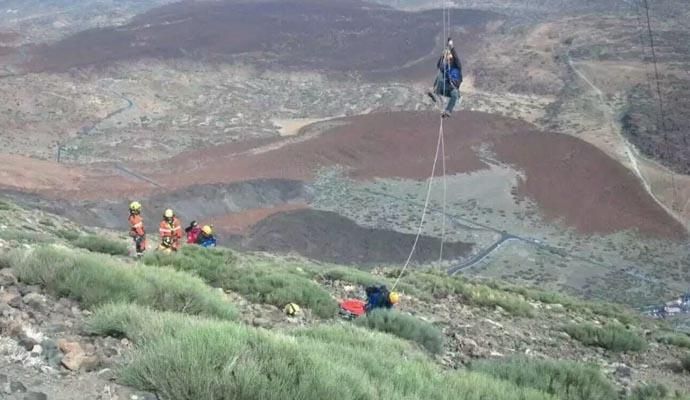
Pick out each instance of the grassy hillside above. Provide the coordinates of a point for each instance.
(192, 320)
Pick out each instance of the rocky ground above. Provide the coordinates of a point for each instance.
(47, 354)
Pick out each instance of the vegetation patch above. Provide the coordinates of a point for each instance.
(613, 337)
(184, 358)
(345, 274)
(685, 362)
(404, 326)
(585, 307)
(429, 285)
(94, 279)
(24, 236)
(654, 391)
(675, 339)
(100, 244)
(67, 234)
(259, 282)
(564, 380)
(5, 206)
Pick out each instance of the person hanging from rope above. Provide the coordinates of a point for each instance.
(448, 80)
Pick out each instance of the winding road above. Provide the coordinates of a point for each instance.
(505, 237)
(630, 150)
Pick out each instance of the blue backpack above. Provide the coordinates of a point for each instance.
(377, 297)
(207, 241)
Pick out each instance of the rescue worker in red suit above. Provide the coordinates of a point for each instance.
(136, 228)
(170, 230)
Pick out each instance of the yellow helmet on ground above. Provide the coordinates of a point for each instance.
(291, 309)
(207, 230)
(135, 206)
(168, 213)
(394, 297)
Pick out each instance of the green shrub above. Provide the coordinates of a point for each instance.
(564, 380)
(67, 234)
(612, 337)
(47, 222)
(484, 296)
(94, 279)
(280, 288)
(649, 392)
(685, 362)
(257, 281)
(100, 244)
(675, 339)
(5, 261)
(24, 236)
(210, 264)
(4, 206)
(431, 286)
(185, 358)
(404, 326)
(345, 274)
(586, 307)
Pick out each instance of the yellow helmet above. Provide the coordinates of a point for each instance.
(134, 206)
(394, 297)
(207, 230)
(291, 309)
(168, 213)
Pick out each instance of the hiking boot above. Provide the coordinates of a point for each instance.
(445, 114)
(432, 96)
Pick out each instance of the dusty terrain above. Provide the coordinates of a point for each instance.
(157, 104)
(39, 330)
(302, 127)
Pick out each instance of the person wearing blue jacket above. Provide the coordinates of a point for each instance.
(206, 238)
(380, 297)
(448, 80)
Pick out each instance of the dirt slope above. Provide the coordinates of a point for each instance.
(361, 36)
(569, 179)
(329, 237)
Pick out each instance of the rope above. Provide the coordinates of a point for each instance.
(426, 207)
(443, 148)
(445, 193)
(440, 148)
(661, 117)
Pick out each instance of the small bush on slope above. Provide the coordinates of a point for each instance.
(611, 337)
(439, 286)
(404, 326)
(675, 339)
(24, 236)
(685, 362)
(67, 234)
(585, 307)
(345, 274)
(649, 392)
(100, 244)
(213, 265)
(655, 391)
(258, 282)
(564, 380)
(95, 279)
(184, 358)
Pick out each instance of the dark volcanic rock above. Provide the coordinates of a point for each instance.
(327, 236)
